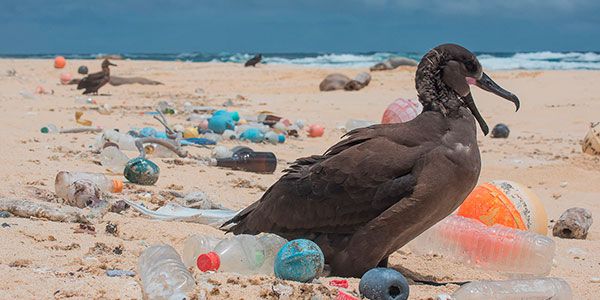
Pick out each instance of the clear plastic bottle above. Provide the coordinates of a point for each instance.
(113, 159)
(126, 142)
(242, 254)
(50, 128)
(195, 245)
(534, 288)
(65, 179)
(496, 248)
(84, 100)
(352, 124)
(272, 243)
(163, 275)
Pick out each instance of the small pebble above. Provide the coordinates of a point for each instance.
(119, 273)
(563, 184)
(5, 214)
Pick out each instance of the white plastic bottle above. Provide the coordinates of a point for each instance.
(107, 185)
(125, 141)
(163, 274)
(50, 128)
(113, 159)
(535, 288)
(496, 248)
(195, 245)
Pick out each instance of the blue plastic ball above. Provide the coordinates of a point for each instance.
(147, 132)
(299, 260)
(500, 131)
(220, 123)
(384, 284)
(252, 134)
(141, 171)
(281, 138)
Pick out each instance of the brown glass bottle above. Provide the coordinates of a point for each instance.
(246, 159)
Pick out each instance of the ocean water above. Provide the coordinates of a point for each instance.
(490, 60)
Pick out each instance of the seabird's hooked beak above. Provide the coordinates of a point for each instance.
(487, 84)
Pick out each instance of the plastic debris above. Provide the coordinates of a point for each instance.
(299, 260)
(163, 275)
(119, 273)
(384, 284)
(535, 288)
(53, 212)
(175, 212)
(574, 223)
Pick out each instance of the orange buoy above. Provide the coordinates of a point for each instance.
(65, 78)
(60, 62)
(315, 130)
(402, 110)
(506, 203)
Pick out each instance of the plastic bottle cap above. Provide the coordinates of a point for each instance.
(117, 185)
(208, 262)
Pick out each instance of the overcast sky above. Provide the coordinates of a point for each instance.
(43, 26)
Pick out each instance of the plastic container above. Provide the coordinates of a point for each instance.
(246, 159)
(534, 288)
(401, 111)
(126, 142)
(506, 203)
(496, 248)
(50, 128)
(163, 274)
(113, 159)
(352, 124)
(195, 245)
(242, 254)
(272, 244)
(107, 185)
(84, 189)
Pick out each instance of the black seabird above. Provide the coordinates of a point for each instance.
(253, 61)
(383, 185)
(95, 81)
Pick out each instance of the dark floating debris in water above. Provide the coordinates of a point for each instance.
(500, 131)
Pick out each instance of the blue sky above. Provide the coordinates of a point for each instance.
(38, 26)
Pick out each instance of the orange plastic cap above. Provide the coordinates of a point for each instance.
(117, 185)
(208, 262)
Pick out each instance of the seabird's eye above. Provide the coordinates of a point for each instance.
(470, 66)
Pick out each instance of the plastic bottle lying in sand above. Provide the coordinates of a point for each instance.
(126, 142)
(246, 159)
(84, 100)
(195, 245)
(163, 275)
(534, 288)
(244, 254)
(113, 159)
(50, 128)
(496, 248)
(65, 179)
(352, 124)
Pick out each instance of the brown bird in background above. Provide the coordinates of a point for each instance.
(383, 185)
(95, 81)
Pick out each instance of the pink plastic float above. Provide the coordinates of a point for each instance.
(402, 110)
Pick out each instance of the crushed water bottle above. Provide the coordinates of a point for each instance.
(534, 288)
(126, 142)
(84, 189)
(113, 159)
(195, 245)
(163, 275)
(496, 248)
(244, 254)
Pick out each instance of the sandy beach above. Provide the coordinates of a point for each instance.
(41, 259)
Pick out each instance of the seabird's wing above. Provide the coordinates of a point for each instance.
(352, 183)
(91, 79)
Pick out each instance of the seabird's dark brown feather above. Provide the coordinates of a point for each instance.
(381, 186)
(93, 82)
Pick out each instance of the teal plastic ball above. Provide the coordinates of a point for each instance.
(220, 123)
(252, 134)
(141, 171)
(299, 260)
